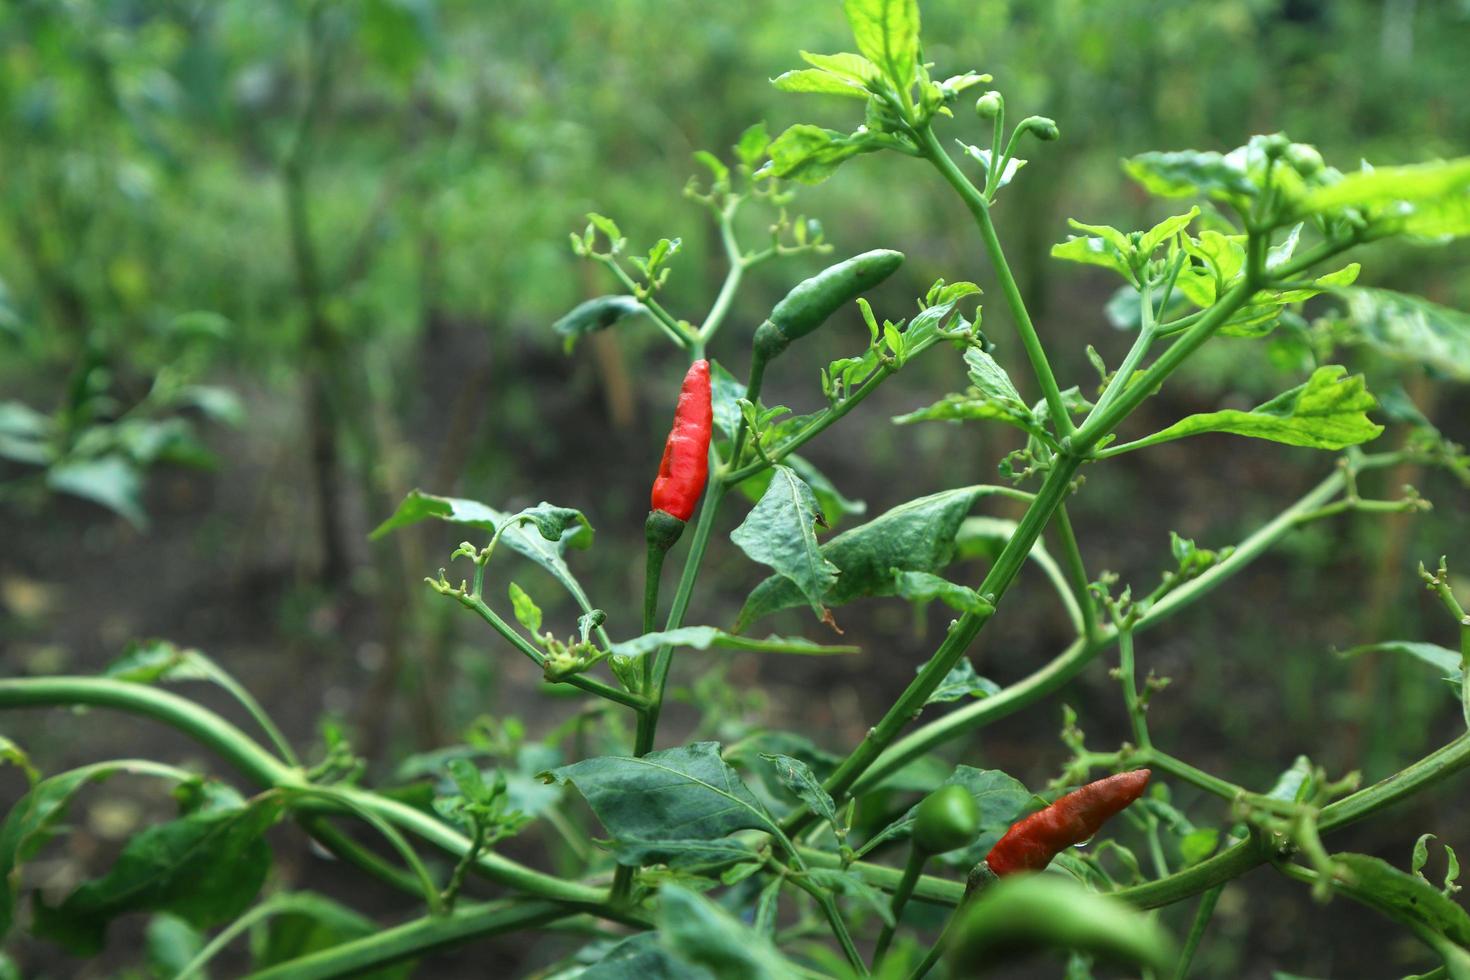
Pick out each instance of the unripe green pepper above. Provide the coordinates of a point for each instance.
(813, 300)
(948, 819)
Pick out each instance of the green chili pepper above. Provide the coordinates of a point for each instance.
(813, 300)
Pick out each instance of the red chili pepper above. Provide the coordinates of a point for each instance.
(685, 467)
(1032, 842)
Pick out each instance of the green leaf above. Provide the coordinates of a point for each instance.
(33, 820)
(1328, 412)
(1447, 662)
(1189, 173)
(707, 637)
(851, 66)
(925, 586)
(1165, 230)
(751, 147)
(528, 614)
(111, 481)
(1405, 898)
(915, 536)
(1388, 185)
(1093, 251)
(887, 33)
(832, 503)
(685, 793)
(206, 868)
(811, 154)
(556, 528)
(819, 82)
(991, 380)
(962, 682)
(1408, 328)
(780, 531)
(685, 854)
(1197, 845)
(798, 777)
(706, 936)
(596, 314)
(642, 957)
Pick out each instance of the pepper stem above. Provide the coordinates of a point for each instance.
(901, 894)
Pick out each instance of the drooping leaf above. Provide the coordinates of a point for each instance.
(780, 531)
(708, 637)
(887, 33)
(596, 314)
(914, 536)
(1329, 411)
(205, 868)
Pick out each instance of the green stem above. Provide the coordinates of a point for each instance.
(1141, 344)
(589, 684)
(811, 430)
(1079, 654)
(731, 285)
(976, 202)
(416, 938)
(427, 887)
(344, 847)
(1076, 572)
(961, 634)
(663, 658)
(911, 871)
(1202, 916)
(829, 908)
(1182, 770)
(666, 322)
(1129, 682)
(209, 729)
(1101, 423)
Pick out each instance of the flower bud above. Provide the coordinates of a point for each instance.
(988, 106)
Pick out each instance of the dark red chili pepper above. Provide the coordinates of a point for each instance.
(685, 467)
(1032, 842)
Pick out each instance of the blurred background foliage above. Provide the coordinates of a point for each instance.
(267, 265)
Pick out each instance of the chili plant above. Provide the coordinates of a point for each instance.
(747, 860)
